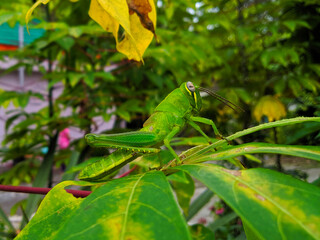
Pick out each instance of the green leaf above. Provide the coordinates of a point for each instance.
(285, 122)
(301, 131)
(315, 68)
(74, 78)
(280, 55)
(76, 31)
(154, 160)
(41, 179)
(72, 163)
(250, 234)
(200, 232)
(6, 17)
(199, 202)
(262, 197)
(66, 42)
(89, 79)
(293, 24)
(295, 87)
(123, 114)
(106, 76)
(309, 83)
(135, 207)
(82, 165)
(190, 141)
(23, 100)
(310, 152)
(184, 190)
(221, 221)
(5, 219)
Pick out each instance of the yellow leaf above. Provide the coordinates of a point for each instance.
(109, 14)
(142, 30)
(103, 18)
(36, 4)
(142, 8)
(133, 16)
(137, 17)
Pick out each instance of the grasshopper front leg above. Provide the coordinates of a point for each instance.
(167, 140)
(192, 123)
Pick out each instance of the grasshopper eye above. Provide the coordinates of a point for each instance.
(190, 86)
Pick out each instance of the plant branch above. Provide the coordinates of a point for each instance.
(38, 190)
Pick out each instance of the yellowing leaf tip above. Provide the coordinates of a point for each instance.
(29, 13)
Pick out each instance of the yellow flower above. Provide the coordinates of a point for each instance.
(271, 107)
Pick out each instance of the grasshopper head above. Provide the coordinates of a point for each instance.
(193, 94)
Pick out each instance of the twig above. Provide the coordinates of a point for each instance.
(127, 172)
(43, 191)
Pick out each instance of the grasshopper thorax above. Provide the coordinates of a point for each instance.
(193, 95)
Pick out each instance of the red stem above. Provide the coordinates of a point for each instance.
(44, 191)
(127, 172)
(38, 190)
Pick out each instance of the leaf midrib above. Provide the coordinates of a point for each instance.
(125, 220)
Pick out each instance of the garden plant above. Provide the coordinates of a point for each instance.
(260, 55)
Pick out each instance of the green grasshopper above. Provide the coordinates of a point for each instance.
(179, 108)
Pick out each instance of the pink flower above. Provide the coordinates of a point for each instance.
(220, 211)
(64, 139)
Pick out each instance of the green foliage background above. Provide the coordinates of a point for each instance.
(244, 49)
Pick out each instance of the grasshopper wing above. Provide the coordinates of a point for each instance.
(134, 141)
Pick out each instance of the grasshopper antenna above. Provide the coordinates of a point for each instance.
(222, 99)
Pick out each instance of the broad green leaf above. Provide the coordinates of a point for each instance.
(262, 197)
(51, 213)
(135, 207)
(250, 234)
